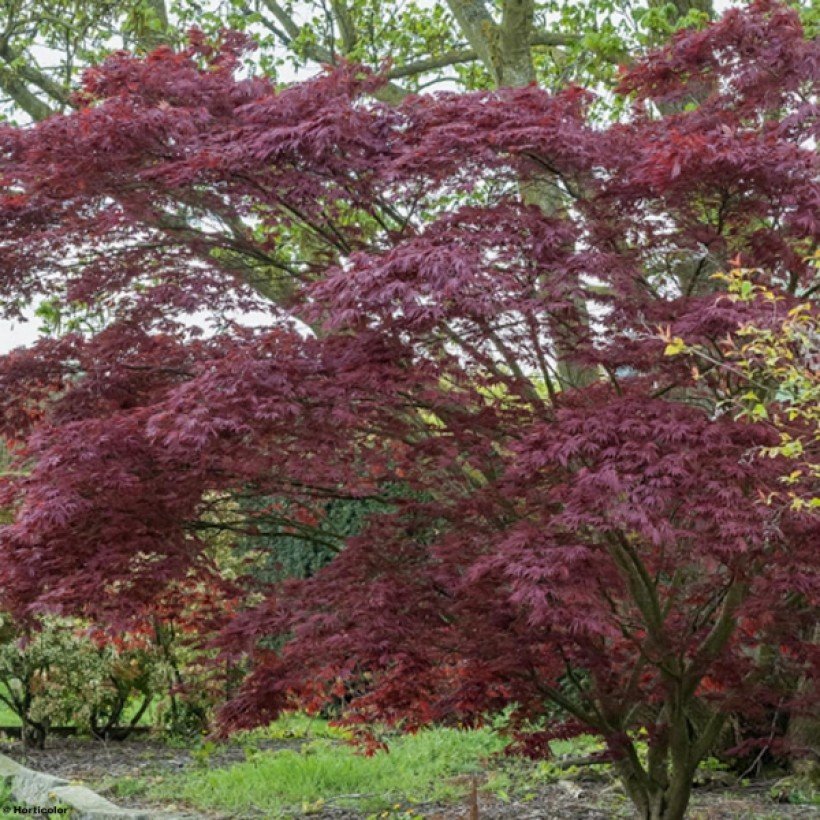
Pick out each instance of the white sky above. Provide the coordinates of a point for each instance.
(17, 335)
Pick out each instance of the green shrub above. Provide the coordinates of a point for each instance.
(58, 675)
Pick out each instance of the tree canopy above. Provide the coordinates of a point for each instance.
(592, 551)
(44, 47)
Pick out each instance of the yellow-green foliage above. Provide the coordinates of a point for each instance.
(779, 369)
(782, 366)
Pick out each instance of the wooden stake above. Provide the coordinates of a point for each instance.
(473, 798)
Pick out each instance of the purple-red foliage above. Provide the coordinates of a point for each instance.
(592, 548)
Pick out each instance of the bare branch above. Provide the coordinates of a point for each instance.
(478, 27)
(12, 85)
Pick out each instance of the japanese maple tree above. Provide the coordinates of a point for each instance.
(597, 555)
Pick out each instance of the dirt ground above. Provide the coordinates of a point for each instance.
(94, 763)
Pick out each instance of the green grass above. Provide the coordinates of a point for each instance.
(7, 801)
(7, 717)
(296, 725)
(418, 768)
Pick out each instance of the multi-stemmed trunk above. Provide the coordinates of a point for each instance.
(666, 800)
(661, 786)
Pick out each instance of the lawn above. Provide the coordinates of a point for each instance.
(430, 766)
(7, 717)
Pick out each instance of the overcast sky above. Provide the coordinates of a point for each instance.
(16, 335)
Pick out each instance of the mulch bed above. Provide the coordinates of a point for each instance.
(90, 760)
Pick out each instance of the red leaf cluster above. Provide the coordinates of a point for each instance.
(532, 530)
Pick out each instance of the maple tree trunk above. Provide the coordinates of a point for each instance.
(661, 788)
(665, 798)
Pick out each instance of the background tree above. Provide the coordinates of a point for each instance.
(44, 47)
